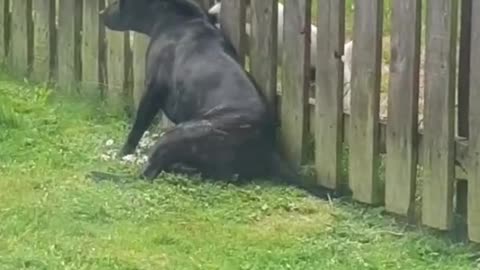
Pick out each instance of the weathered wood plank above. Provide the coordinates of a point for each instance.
(263, 48)
(402, 125)
(474, 131)
(464, 67)
(232, 21)
(366, 75)
(140, 45)
(21, 37)
(329, 92)
(4, 29)
(463, 96)
(439, 116)
(461, 144)
(91, 44)
(116, 65)
(43, 32)
(68, 50)
(295, 80)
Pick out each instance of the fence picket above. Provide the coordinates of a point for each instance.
(4, 29)
(263, 48)
(92, 41)
(232, 20)
(329, 92)
(440, 56)
(117, 65)
(68, 69)
(402, 131)
(295, 80)
(366, 74)
(474, 132)
(21, 38)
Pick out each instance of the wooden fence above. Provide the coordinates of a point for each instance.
(426, 169)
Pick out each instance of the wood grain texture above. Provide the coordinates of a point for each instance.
(439, 128)
(329, 92)
(366, 75)
(463, 95)
(464, 67)
(263, 48)
(43, 32)
(68, 50)
(232, 21)
(295, 80)
(91, 44)
(4, 30)
(21, 37)
(474, 130)
(402, 131)
(117, 45)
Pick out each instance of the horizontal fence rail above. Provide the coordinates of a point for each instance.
(376, 97)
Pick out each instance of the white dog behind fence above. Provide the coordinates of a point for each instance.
(215, 10)
(347, 60)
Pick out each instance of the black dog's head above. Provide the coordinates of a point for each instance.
(142, 15)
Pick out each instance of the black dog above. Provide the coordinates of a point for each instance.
(224, 127)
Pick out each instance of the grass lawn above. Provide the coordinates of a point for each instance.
(52, 217)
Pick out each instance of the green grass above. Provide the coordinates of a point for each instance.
(52, 217)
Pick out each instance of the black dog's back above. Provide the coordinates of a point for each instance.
(198, 66)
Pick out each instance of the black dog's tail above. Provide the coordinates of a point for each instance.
(282, 171)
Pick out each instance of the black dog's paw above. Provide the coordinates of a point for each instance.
(127, 150)
(149, 173)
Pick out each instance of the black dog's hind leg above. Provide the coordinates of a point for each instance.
(147, 109)
(199, 143)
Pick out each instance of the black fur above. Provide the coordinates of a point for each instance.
(223, 124)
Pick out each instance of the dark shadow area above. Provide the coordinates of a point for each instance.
(304, 184)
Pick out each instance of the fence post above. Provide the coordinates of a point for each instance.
(263, 48)
(4, 29)
(68, 50)
(329, 92)
(295, 79)
(232, 21)
(463, 96)
(439, 117)
(474, 132)
(402, 126)
(43, 31)
(117, 73)
(21, 37)
(92, 42)
(464, 67)
(366, 75)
